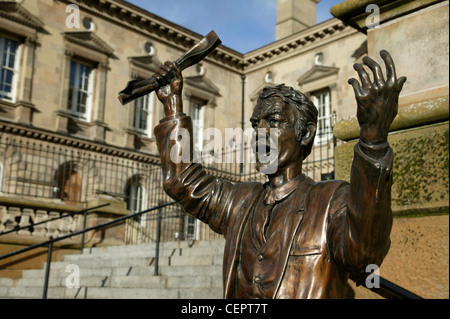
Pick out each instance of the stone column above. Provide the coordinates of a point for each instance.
(62, 118)
(24, 106)
(97, 130)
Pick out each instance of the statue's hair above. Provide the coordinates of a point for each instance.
(306, 111)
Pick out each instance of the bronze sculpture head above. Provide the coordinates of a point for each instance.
(294, 116)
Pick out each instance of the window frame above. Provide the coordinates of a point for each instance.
(191, 223)
(322, 101)
(139, 107)
(73, 99)
(197, 113)
(137, 197)
(16, 68)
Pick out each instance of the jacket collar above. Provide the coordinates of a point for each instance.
(277, 194)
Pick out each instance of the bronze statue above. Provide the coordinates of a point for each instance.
(292, 237)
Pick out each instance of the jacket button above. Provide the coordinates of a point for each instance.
(260, 257)
(257, 279)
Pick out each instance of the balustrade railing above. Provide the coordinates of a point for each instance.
(45, 171)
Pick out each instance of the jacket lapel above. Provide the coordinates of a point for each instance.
(293, 221)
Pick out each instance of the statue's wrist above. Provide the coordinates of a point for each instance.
(172, 116)
(173, 105)
(175, 101)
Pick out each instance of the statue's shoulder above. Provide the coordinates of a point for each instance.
(251, 187)
(329, 187)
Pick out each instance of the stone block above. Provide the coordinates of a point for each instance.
(421, 169)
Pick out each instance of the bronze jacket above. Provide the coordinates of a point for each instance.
(333, 229)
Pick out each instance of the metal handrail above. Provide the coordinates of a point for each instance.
(84, 230)
(387, 289)
(105, 224)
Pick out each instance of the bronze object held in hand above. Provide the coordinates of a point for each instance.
(139, 88)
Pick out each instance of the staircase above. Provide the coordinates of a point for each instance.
(186, 270)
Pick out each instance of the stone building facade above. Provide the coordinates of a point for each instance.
(66, 142)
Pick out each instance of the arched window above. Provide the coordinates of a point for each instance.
(68, 183)
(136, 197)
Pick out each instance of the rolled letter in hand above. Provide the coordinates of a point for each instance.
(138, 88)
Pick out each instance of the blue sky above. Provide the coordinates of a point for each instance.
(242, 25)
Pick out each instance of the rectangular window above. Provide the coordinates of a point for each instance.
(9, 63)
(143, 114)
(190, 228)
(80, 90)
(324, 132)
(136, 200)
(197, 113)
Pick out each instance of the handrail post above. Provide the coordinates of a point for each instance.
(158, 238)
(82, 235)
(47, 268)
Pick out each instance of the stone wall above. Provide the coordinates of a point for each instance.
(416, 34)
(421, 169)
(16, 212)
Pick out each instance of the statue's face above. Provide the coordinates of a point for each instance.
(274, 122)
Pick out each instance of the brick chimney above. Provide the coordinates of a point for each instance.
(294, 16)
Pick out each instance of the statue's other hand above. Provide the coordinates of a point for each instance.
(377, 101)
(170, 93)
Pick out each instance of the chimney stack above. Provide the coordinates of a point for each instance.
(294, 16)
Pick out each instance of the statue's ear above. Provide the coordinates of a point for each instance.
(308, 135)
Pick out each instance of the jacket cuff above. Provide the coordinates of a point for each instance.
(377, 150)
(172, 117)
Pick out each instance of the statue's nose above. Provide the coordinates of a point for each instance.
(262, 132)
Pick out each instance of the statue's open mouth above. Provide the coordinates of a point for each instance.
(265, 150)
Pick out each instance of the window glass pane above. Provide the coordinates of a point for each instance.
(11, 53)
(324, 131)
(9, 77)
(79, 89)
(196, 111)
(73, 67)
(8, 52)
(143, 112)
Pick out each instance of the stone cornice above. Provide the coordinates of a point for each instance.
(355, 13)
(65, 140)
(13, 11)
(137, 19)
(297, 43)
(146, 62)
(153, 26)
(89, 40)
(203, 83)
(317, 72)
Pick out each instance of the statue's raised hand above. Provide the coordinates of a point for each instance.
(170, 93)
(378, 100)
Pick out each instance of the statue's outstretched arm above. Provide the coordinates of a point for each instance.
(360, 225)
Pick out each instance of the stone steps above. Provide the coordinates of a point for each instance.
(185, 271)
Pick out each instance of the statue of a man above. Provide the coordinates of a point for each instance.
(292, 237)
